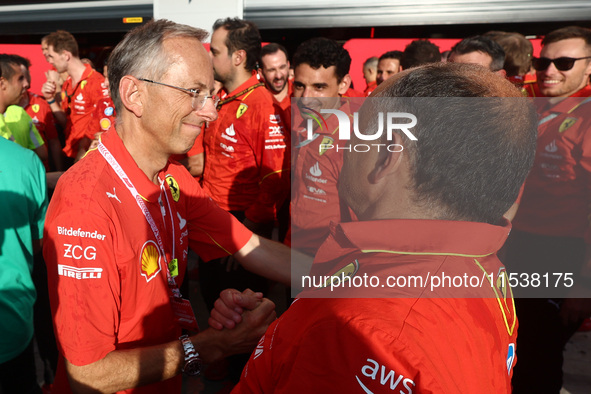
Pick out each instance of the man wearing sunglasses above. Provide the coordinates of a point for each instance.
(551, 229)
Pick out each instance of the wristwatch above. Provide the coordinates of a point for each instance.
(193, 364)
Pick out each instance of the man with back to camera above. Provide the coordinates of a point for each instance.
(419, 212)
(420, 52)
(388, 65)
(118, 230)
(551, 233)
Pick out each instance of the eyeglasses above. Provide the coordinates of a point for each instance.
(198, 101)
(561, 63)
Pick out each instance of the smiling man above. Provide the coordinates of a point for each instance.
(388, 65)
(275, 70)
(321, 78)
(551, 229)
(122, 218)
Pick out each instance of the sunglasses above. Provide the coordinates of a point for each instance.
(561, 63)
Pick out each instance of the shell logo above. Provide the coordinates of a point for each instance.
(150, 260)
(105, 124)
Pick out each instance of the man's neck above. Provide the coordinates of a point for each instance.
(24, 101)
(281, 95)
(147, 159)
(75, 69)
(240, 77)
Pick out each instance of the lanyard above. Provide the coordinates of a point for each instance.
(234, 97)
(140, 202)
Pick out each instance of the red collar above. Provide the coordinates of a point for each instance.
(420, 237)
(332, 122)
(144, 186)
(249, 82)
(570, 103)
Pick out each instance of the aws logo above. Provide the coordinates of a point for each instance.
(150, 260)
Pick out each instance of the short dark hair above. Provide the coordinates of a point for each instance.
(398, 55)
(8, 66)
(61, 41)
(323, 52)
(23, 61)
(420, 52)
(475, 172)
(272, 48)
(569, 32)
(242, 35)
(518, 53)
(485, 45)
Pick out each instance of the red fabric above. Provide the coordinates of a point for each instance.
(557, 191)
(40, 112)
(406, 343)
(102, 118)
(315, 197)
(370, 88)
(128, 306)
(353, 93)
(198, 145)
(247, 156)
(80, 101)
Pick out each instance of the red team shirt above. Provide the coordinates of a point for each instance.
(102, 118)
(106, 273)
(406, 343)
(315, 195)
(370, 88)
(557, 191)
(247, 163)
(40, 112)
(79, 102)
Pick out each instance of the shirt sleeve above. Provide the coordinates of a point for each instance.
(213, 232)
(84, 285)
(332, 357)
(273, 159)
(39, 196)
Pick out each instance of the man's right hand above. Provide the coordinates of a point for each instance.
(48, 89)
(228, 309)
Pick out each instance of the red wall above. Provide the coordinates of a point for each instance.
(38, 63)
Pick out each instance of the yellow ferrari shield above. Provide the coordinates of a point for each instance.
(567, 123)
(241, 110)
(175, 190)
(35, 108)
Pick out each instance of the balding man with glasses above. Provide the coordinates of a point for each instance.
(121, 221)
(551, 229)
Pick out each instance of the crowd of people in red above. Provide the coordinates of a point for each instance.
(136, 176)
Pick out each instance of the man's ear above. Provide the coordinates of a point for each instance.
(3, 83)
(132, 95)
(344, 84)
(502, 73)
(239, 57)
(387, 162)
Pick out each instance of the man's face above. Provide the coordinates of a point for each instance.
(476, 57)
(555, 83)
(15, 86)
(387, 68)
(275, 69)
(44, 49)
(57, 60)
(310, 85)
(168, 115)
(369, 74)
(223, 69)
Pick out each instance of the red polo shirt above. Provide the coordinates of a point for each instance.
(370, 88)
(40, 112)
(102, 118)
(79, 102)
(247, 163)
(407, 343)
(556, 198)
(107, 276)
(315, 195)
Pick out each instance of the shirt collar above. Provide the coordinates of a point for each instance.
(420, 237)
(249, 82)
(145, 187)
(332, 122)
(567, 105)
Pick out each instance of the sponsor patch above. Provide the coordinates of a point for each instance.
(275, 119)
(77, 252)
(326, 141)
(230, 130)
(566, 124)
(72, 232)
(80, 97)
(35, 108)
(105, 124)
(315, 170)
(150, 260)
(109, 111)
(79, 273)
(510, 357)
(344, 274)
(551, 147)
(175, 190)
(241, 110)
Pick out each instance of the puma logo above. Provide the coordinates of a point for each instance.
(114, 195)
